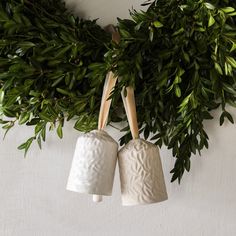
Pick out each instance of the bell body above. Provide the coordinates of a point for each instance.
(141, 174)
(93, 165)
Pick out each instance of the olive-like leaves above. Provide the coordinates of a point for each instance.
(180, 57)
(45, 55)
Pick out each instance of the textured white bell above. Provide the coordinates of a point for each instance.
(141, 175)
(94, 163)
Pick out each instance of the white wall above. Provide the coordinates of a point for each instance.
(34, 202)
(106, 11)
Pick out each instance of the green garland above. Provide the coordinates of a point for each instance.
(179, 55)
(45, 53)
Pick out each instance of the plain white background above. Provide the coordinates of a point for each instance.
(34, 202)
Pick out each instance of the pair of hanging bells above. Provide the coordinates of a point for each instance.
(96, 155)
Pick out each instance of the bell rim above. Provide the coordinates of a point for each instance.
(145, 203)
(73, 189)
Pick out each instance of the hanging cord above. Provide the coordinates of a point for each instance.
(105, 104)
(109, 84)
(130, 109)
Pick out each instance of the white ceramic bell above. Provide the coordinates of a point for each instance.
(141, 175)
(94, 163)
(95, 157)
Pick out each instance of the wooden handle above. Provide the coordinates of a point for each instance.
(105, 104)
(130, 109)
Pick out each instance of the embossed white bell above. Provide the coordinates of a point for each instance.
(141, 176)
(95, 156)
(93, 164)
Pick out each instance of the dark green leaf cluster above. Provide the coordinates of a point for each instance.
(180, 56)
(45, 55)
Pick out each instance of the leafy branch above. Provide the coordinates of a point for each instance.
(180, 56)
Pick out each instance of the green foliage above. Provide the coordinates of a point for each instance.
(180, 55)
(45, 54)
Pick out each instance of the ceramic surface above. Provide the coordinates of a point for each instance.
(93, 164)
(141, 175)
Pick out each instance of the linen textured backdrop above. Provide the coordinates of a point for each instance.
(34, 202)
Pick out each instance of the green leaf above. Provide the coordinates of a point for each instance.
(151, 34)
(200, 29)
(206, 115)
(57, 81)
(2, 93)
(157, 24)
(63, 91)
(45, 116)
(25, 146)
(124, 33)
(232, 14)
(229, 117)
(138, 26)
(233, 47)
(185, 101)
(177, 91)
(146, 133)
(174, 176)
(86, 123)
(39, 141)
(26, 44)
(3, 121)
(187, 164)
(7, 127)
(218, 68)
(179, 31)
(229, 88)
(92, 102)
(9, 113)
(157, 136)
(43, 133)
(62, 51)
(209, 6)
(231, 61)
(39, 126)
(96, 66)
(222, 118)
(186, 57)
(228, 9)
(24, 117)
(59, 131)
(211, 21)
